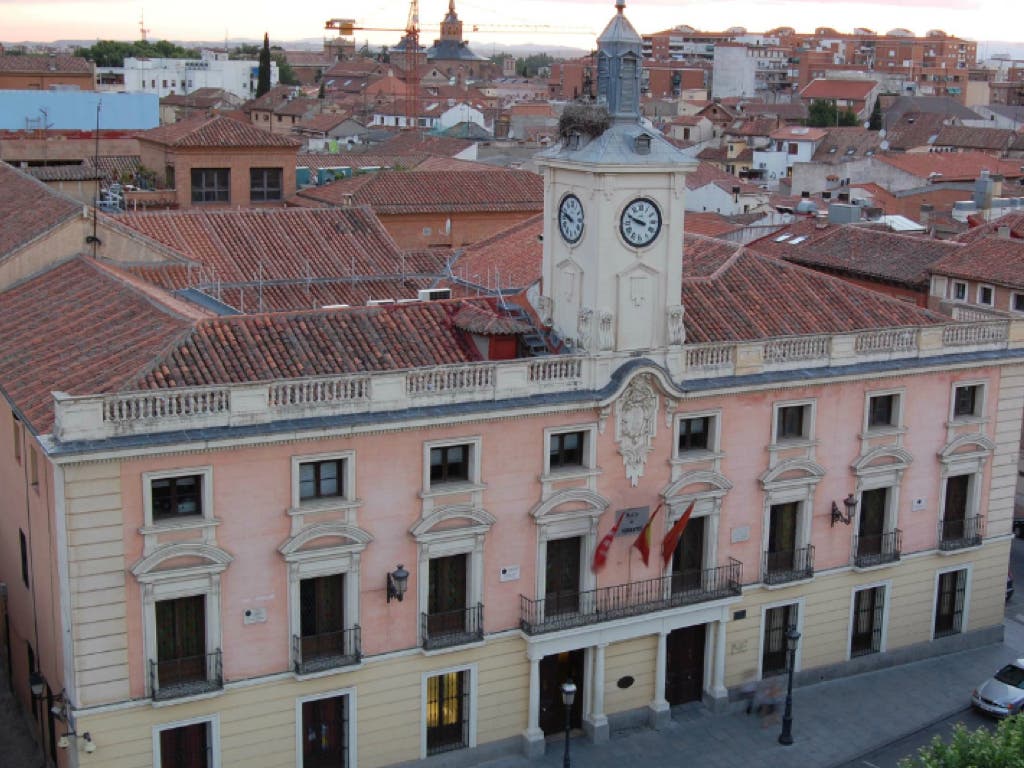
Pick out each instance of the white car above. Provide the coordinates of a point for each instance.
(1003, 694)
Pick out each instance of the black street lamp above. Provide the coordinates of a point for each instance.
(568, 697)
(786, 737)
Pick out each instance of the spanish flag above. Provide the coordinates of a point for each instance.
(643, 541)
(668, 546)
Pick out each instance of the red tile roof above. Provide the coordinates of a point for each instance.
(215, 131)
(411, 142)
(953, 166)
(510, 259)
(357, 160)
(1015, 221)
(29, 209)
(709, 223)
(982, 139)
(798, 133)
(828, 88)
(77, 329)
(989, 259)
(914, 129)
(394, 192)
(43, 63)
(485, 322)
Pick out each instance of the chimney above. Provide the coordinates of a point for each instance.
(1003, 230)
(983, 192)
(997, 185)
(926, 213)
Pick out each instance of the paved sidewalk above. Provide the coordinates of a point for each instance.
(833, 722)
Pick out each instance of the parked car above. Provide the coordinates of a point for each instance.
(1003, 694)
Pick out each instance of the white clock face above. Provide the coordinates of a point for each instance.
(570, 218)
(640, 222)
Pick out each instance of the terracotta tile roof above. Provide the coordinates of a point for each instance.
(703, 256)
(247, 348)
(983, 139)
(297, 107)
(452, 164)
(842, 145)
(266, 103)
(324, 122)
(756, 297)
(215, 131)
(273, 243)
(77, 172)
(914, 129)
(510, 259)
(485, 322)
(412, 143)
(1015, 221)
(394, 192)
(954, 166)
(796, 110)
(709, 223)
(857, 251)
(357, 160)
(355, 68)
(1018, 143)
(799, 133)
(712, 154)
(755, 126)
(77, 329)
(822, 88)
(29, 209)
(42, 63)
(990, 259)
(309, 58)
(707, 173)
(115, 165)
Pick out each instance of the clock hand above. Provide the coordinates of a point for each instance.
(635, 220)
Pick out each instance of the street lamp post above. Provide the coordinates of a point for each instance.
(786, 737)
(568, 696)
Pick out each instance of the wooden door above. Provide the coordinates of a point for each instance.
(562, 576)
(684, 669)
(555, 670)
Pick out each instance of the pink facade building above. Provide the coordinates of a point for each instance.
(360, 536)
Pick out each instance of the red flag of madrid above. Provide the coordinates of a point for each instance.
(668, 546)
(601, 553)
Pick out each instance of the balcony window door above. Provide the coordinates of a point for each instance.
(782, 536)
(562, 576)
(181, 640)
(870, 531)
(868, 613)
(949, 603)
(446, 602)
(322, 616)
(776, 622)
(954, 512)
(688, 560)
(447, 712)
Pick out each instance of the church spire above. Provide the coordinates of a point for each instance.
(619, 57)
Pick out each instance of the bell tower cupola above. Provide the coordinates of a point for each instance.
(619, 57)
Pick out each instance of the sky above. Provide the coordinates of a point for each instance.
(573, 23)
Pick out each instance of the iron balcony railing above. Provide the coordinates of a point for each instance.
(788, 565)
(327, 650)
(877, 549)
(449, 628)
(187, 676)
(961, 533)
(566, 610)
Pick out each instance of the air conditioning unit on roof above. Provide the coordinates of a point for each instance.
(434, 294)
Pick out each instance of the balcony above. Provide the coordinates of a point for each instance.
(877, 549)
(328, 650)
(594, 606)
(451, 628)
(788, 565)
(960, 534)
(188, 676)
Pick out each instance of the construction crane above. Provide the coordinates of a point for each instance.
(412, 49)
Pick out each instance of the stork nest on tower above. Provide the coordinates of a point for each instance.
(587, 119)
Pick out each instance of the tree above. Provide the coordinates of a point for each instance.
(285, 74)
(875, 121)
(112, 53)
(969, 749)
(263, 78)
(823, 113)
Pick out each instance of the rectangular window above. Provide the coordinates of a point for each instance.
(565, 450)
(776, 623)
(883, 411)
(449, 464)
(187, 746)
(562, 576)
(1017, 302)
(782, 538)
(792, 422)
(688, 558)
(211, 185)
(265, 184)
(871, 538)
(446, 598)
(949, 603)
(447, 712)
(321, 479)
(174, 497)
(33, 467)
(23, 542)
(959, 291)
(986, 295)
(868, 614)
(181, 641)
(322, 617)
(967, 401)
(695, 434)
(325, 737)
(16, 434)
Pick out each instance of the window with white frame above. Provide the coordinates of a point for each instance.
(968, 401)
(449, 718)
(950, 602)
(177, 496)
(326, 733)
(986, 295)
(1017, 302)
(884, 410)
(323, 480)
(451, 463)
(777, 621)
(793, 422)
(570, 449)
(696, 433)
(867, 620)
(959, 291)
(191, 743)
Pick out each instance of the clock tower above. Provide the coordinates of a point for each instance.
(613, 215)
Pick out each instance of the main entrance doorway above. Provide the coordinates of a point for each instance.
(555, 670)
(684, 667)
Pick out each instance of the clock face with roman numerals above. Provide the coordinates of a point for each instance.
(570, 219)
(640, 222)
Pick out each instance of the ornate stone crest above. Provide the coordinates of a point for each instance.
(636, 425)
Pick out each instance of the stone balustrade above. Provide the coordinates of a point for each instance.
(97, 417)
